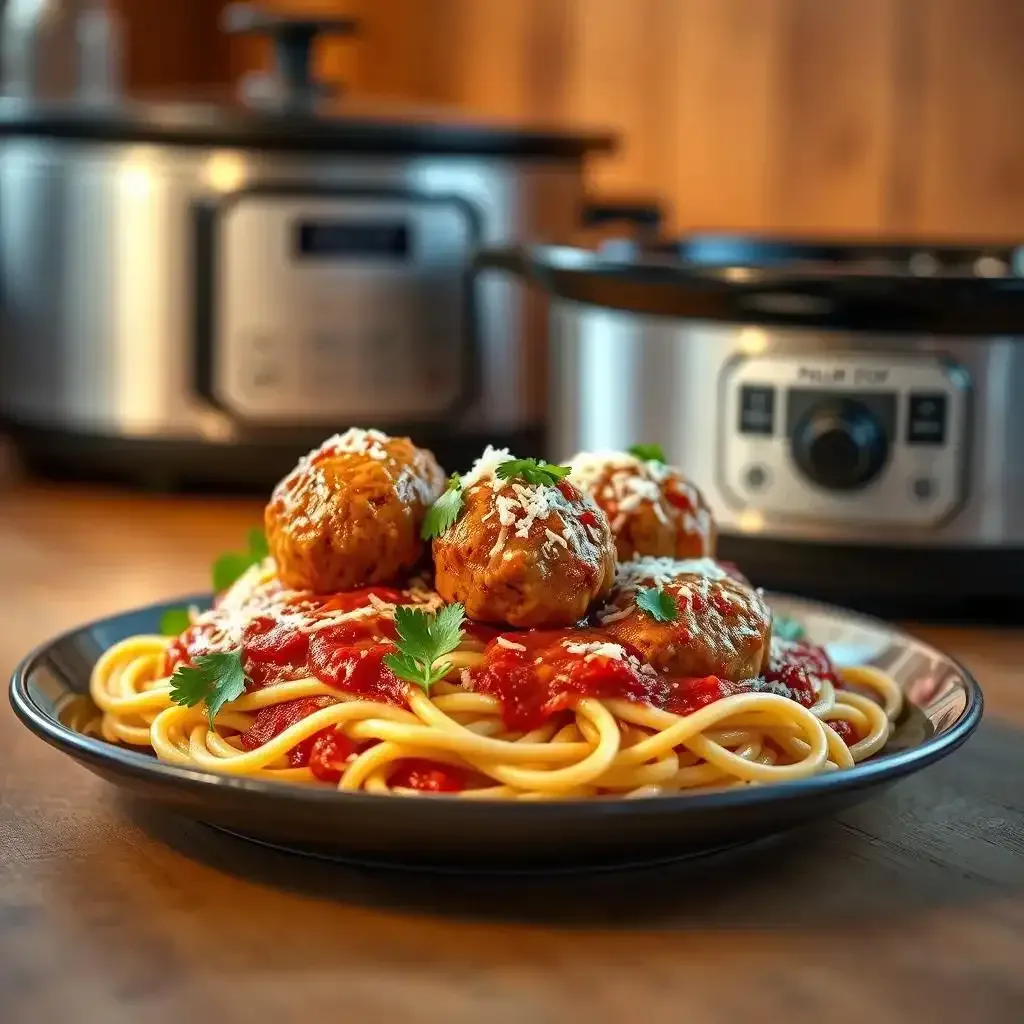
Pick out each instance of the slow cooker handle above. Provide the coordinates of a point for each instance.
(646, 215)
(293, 38)
(513, 259)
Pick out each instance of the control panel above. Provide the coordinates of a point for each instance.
(340, 308)
(845, 438)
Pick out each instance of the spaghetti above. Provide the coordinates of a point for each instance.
(528, 715)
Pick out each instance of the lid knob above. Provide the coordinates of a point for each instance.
(293, 37)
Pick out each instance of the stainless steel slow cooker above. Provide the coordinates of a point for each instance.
(853, 413)
(202, 291)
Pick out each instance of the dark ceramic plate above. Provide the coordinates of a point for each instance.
(944, 706)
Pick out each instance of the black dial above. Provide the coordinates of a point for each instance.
(840, 445)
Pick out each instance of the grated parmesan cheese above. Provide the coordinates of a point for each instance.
(603, 649)
(257, 595)
(649, 571)
(556, 538)
(419, 480)
(509, 645)
(597, 649)
(628, 481)
(518, 504)
(484, 469)
(361, 442)
(586, 468)
(499, 542)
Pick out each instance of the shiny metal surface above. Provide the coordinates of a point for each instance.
(57, 49)
(617, 379)
(322, 339)
(99, 284)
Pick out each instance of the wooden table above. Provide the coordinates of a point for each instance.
(910, 906)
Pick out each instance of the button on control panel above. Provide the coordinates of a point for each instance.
(926, 419)
(757, 410)
(845, 438)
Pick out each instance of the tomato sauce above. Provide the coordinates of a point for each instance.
(801, 668)
(290, 640)
(847, 733)
(427, 776)
(547, 671)
(328, 752)
(534, 674)
(540, 676)
(678, 498)
(272, 721)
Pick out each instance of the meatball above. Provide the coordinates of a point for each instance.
(654, 510)
(523, 553)
(350, 512)
(722, 627)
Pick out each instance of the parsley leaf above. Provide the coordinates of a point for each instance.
(423, 639)
(647, 452)
(787, 629)
(215, 679)
(533, 471)
(444, 511)
(660, 606)
(229, 567)
(175, 621)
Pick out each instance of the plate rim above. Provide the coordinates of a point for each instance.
(141, 765)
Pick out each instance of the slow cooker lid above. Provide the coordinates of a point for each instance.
(291, 110)
(972, 291)
(347, 127)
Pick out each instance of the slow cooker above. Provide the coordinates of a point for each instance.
(201, 291)
(852, 412)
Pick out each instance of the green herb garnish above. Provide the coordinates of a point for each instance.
(647, 452)
(229, 567)
(787, 629)
(422, 639)
(533, 471)
(213, 679)
(175, 621)
(444, 511)
(660, 606)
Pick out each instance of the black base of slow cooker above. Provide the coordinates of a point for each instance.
(249, 465)
(939, 583)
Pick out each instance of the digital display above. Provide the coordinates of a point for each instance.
(349, 239)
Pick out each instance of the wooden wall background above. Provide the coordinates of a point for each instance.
(902, 117)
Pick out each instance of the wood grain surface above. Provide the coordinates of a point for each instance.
(898, 117)
(911, 906)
